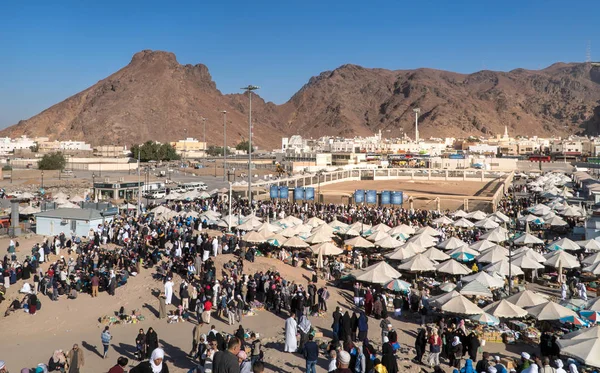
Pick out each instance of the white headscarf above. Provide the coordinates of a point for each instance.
(158, 353)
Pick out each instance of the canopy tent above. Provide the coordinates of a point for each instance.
(463, 223)
(388, 243)
(379, 273)
(485, 319)
(562, 259)
(401, 229)
(326, 248)
(358, 242)
(254, 237)
(589, 245)
(418, 263)
(294, 242)
(526, 298)
(453, 267)
(492, 255)
(485, 279)
(482, 245)
(528, 239)
(476, 215)
(423, 240)
(564, 244)
(461, 305)
(451, 244)
(550, 311)
(428, 230)
(436, 254)
(443, 220)
(584, 350)
(463, 254)
(505, 309)
(476, 288)
(502, 268)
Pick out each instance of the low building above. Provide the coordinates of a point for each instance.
(70, 221)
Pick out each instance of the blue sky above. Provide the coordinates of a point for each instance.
(50, 50)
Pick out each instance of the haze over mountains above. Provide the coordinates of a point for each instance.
(156, 98)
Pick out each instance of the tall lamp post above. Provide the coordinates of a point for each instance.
(225, 146)
(249, 89)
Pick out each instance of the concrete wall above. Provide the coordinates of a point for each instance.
(53, 226)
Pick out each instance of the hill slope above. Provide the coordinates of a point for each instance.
(154, 97)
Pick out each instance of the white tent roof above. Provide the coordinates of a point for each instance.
(504, 308)
(501, 268)
(451, 244)
(461, 305)
(562, 259)
(453, 267)
(476, 288)
(379, 273)
(418, 263)
(550, 311)
(485, 279)
(436, 254)
(527, 298)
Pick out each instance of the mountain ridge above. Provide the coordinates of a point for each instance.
(156, 98)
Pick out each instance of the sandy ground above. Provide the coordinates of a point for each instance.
(28, 340)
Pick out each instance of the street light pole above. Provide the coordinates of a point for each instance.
(225, 146)
(249, 89)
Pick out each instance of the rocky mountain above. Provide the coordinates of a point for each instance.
(154, 97)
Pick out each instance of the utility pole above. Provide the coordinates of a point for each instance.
(249, 89)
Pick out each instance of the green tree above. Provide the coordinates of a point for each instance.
(243, 146)
(52, 161)
(153, 151)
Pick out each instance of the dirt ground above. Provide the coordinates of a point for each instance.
(28, 340)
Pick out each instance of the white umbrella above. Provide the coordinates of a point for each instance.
(564, 244)
(476, 288)
(358, 242)
(562, 259)
(485, 279)
(589, 245)
(482, 245)
(550, 311)
(451, 244)
(428, 230)
(418, 263)
(443, 220)
(254, 237)
(492, 255)
(377, 236)
(326, 248)
(436, 254)
(584, 350)
(527, 239)
(381, 228)
(505, 309)
(592, 259)
(476, 215)
(453, 267)
(463, 223)
(388, 243)
(461, 305)
(401, 229)
(502, 268)
(526, 298)
(295, 242)
(487, 223)
(423, 240)
(379, 273)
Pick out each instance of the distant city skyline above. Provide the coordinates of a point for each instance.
(52, 51)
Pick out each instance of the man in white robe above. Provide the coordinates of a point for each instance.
(291, 331)
(168, 291)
